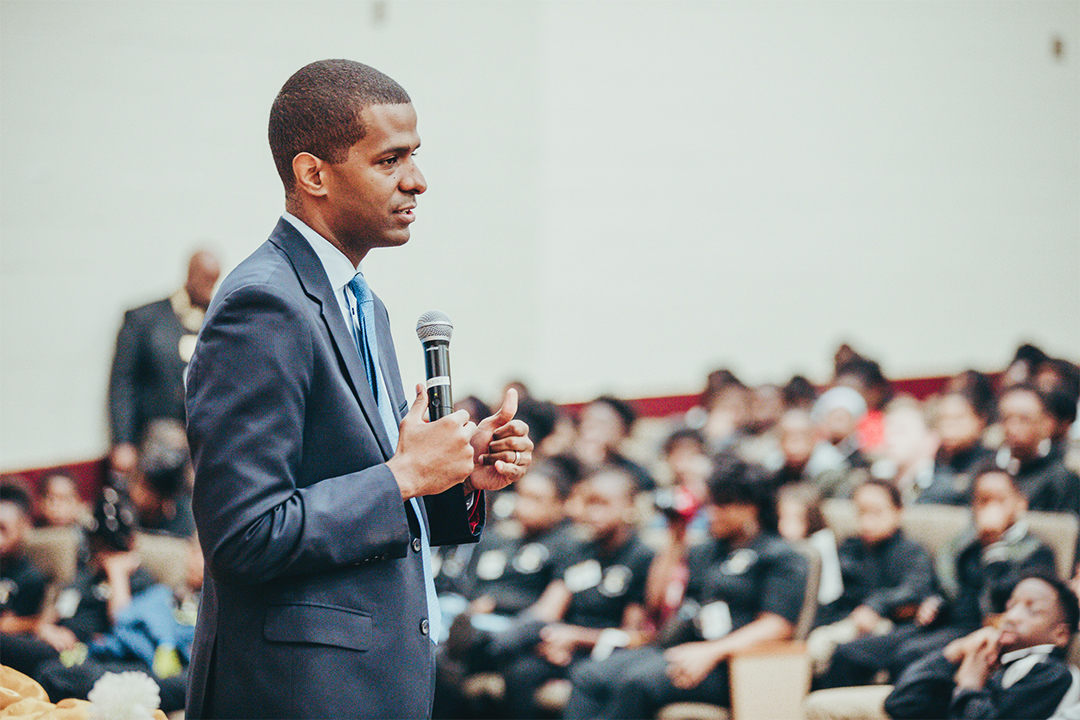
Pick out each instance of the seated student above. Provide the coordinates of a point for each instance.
(161, 487)
(1060, 381)
(1027, 451)
(759, 434)
(803, 454)
(687, 462)
(1016, 670)
(601, 587)
(507, 573)
(117, 618)
(746, 587)
(961, 417)
(724, 409)
(22, 586)
(681, 511)
(908, 447)
(60, 505)
(885, 576)
(975, 573)
(837, 414)
(865, 376)
(604, 425)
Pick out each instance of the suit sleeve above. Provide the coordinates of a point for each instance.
(122, 382)
(248, 386)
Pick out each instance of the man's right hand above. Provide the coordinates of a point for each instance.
(431, 456)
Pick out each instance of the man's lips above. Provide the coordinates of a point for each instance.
(407, 214)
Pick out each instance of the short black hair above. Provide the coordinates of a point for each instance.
(318, 111)
(692, 435)
(799, 392)
(540, 415)
(736, 482)
(977, 390)
(1067, 600)
(13, 490)
(890, 489)
(1030, 355)
(1063, 396)
(622, 408)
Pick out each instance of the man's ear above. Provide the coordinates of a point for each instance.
(308, 171)
(1060, 635)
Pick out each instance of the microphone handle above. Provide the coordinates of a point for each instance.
(437, 365)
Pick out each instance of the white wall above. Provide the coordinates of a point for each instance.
(625, 194)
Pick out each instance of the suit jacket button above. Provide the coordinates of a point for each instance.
(416, 544)
(424, 627)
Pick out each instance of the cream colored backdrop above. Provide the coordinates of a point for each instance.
(623, 195)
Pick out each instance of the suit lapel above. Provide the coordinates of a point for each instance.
(313, 279)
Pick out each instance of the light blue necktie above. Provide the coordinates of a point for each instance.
(368, 345)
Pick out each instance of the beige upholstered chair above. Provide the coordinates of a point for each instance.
(164, 557)
(54, 551)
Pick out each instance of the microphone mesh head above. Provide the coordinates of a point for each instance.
(434, 325)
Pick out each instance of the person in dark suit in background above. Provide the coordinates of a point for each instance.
(153, 348)
(311, 500)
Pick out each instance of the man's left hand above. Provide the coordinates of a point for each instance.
(502, 449)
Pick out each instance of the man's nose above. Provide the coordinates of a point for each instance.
(412, 180)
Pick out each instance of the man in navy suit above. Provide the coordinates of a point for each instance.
(309, 496)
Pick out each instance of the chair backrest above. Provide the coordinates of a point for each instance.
(810, 596)
(164, 557)
(54, 551)
(933, 526)
(1059, 531)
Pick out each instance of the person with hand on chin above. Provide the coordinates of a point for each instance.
(311, 479)
(1016, 669)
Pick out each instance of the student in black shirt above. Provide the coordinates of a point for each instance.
(746, 587)
(885, 575)
(508, 572)
(601, 587)
(22, 586)
(1015, 670)
(961, 417)
(1028, 451)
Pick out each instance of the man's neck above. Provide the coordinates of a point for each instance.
(314, 219)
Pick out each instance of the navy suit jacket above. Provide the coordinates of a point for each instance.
(147, 378)
(313, 603)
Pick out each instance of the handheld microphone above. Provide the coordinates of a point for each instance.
(434, 330)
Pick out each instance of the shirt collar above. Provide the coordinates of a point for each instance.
(339, 269)
(1015, 655)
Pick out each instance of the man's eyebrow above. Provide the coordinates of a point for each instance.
(400, 149)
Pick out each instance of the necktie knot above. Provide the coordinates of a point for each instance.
(360, 289)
